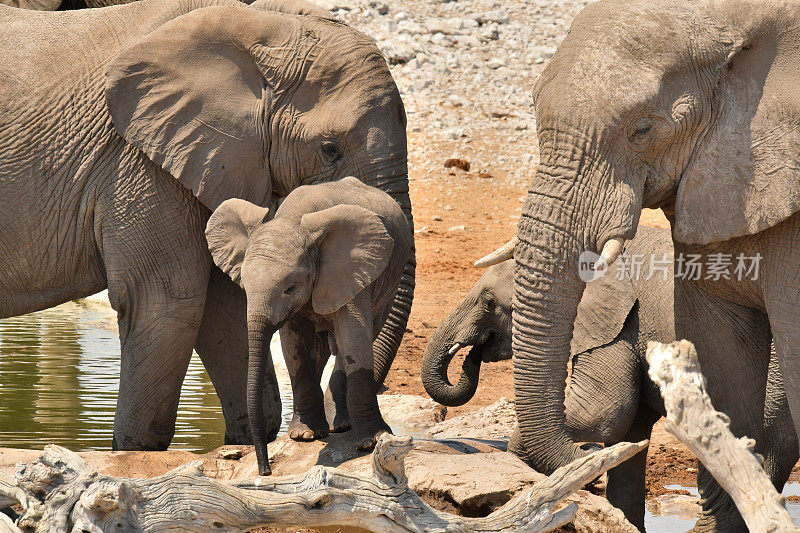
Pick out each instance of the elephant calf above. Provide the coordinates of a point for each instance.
(330, 260)
(610, 397)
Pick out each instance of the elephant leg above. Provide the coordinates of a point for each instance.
(732, 344)
(158, 271)
(336, 398)
(602, 397)
(781, 285)
(222, 347)
(336, 394)
(626, 483)
(780, 439)
(353, 333)
(299, 344)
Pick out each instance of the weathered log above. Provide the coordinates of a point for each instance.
(62, 494)
(693, 420)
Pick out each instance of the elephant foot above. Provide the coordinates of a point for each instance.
(306, 428)
(368, 439)
(336, 408)
(238, 440)
(336, 403)
(339, 416)
(154, 444)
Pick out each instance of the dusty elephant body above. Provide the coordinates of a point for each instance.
(609, 396)
(691, 107)
(54, 5)
(329, 261)
(297, 7)
(112, 159)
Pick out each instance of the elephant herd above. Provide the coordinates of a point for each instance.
(192, 157)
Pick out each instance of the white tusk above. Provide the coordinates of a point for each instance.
(498, 256)
(455, 348)
(611, 250)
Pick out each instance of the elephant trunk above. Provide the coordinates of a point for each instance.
(547, 293)
(440, 352)
(560, 220)
(387, 343)
(260, 360)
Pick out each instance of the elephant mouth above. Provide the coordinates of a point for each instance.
(491, 348)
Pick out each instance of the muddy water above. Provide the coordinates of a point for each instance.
(59, 375)
(681, 524)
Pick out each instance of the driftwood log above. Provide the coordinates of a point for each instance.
(695, 422)
(59, 492)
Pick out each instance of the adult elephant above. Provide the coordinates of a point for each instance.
(688, 106)
(111, 160)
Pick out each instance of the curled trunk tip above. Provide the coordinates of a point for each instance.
(435, 364)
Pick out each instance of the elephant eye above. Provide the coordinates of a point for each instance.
(642, 128)
(290, 289)
(331, 150)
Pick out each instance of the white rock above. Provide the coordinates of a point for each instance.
(496, 62)
(397, 52)
(498, 16)
(437, 25)
(334, 5)
(408, 411)
(409, 26)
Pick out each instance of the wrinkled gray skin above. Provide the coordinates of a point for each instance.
(122, 128)
(329, 261)
(609, 396)
(295, 7)
(54, 5)
(691, 106)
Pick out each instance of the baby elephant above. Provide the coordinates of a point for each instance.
(330, 260)
(610, 397)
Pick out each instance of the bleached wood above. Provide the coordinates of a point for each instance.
(693, 420)
(69, 497)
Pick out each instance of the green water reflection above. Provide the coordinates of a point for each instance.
(59, 375)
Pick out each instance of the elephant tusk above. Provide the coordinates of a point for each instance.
(611, 250)
(498, 256)
(455, 348)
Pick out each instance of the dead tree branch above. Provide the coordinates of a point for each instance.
(61, 493)
(695, 422)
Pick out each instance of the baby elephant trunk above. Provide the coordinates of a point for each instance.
(438, 355)
(259, 336)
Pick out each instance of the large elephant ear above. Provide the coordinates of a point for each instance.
(354, 249)
(745, 174)
(195, 95)
(228, 233)
(602, 312)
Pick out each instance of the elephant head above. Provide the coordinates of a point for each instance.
(240, 101)
(689, 106)
(483, 321)
(322, 258)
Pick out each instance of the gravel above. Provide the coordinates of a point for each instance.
(465, 70)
